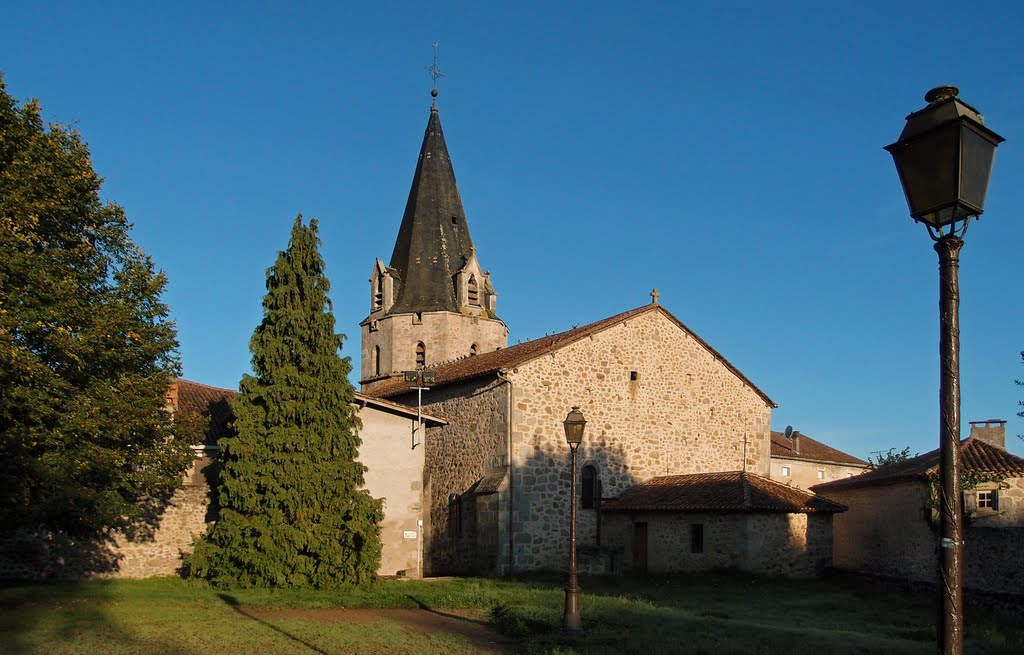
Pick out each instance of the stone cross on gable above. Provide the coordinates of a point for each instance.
(654, 296)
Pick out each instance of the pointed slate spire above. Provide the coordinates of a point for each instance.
(433, 242)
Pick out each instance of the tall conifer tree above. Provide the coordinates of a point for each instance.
(293, 511)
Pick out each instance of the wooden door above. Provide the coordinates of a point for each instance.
(640, 548)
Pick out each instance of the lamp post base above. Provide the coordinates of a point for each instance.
(572, 624)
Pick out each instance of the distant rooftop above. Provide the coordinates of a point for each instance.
(976, 456)
(811, 450)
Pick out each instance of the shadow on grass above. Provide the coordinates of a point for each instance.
(76, 615)
(427, 608)
(233, 603)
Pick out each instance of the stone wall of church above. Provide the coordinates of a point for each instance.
(446, 336)
(657, 403)
(457, 456)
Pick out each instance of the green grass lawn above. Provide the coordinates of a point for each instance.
(712, 613)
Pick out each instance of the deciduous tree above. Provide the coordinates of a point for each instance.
(87, 351)
(293, 511)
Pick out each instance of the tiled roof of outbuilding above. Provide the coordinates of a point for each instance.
(489, 363)
(196, 398)
(976, 456)
(811, 449)
(731, 491)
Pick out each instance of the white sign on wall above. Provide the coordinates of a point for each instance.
(409, 534)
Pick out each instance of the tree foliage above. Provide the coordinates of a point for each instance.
(293, 511)
(889, 458)
(87, 351)
(1020, 403)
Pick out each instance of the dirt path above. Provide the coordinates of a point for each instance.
(468, 624)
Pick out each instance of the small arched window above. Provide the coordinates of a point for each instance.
(376, 360)
(473, 291)
(378, 293)
(589, 487)
(421, 355)
(454, 515)
(472, 350)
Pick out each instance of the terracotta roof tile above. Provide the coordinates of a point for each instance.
(731, 491)
(196, 398)
(976, 456)
(811, 449)
(489, 484)
(490, 363)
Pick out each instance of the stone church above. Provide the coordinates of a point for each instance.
(675, 465)
(675, 469)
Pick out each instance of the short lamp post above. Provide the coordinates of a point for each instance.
(572, 624)
(944, 159)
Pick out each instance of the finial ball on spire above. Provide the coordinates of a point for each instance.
(433, 93)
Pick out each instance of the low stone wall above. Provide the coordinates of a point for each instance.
(36, 555)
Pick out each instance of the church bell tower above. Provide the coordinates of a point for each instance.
(433, 303)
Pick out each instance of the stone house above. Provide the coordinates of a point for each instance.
(392, 437)
(891, 528)
(803, 462)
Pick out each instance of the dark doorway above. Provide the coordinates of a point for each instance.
(640, 548)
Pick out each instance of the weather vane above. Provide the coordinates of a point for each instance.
(435, 73)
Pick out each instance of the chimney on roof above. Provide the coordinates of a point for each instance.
(172, 397)
(796, 442)
(992, 431)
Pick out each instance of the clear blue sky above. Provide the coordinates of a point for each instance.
(729, 154)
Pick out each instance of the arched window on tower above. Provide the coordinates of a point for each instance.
(589, 487)
(421, 355)
(473, 291)
(378, 293)
(472, 350)
(376, 360)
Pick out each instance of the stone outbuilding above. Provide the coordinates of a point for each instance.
(891, 528)
(706, 521)
(803, 462)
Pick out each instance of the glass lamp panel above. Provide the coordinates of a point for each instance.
(929, 167)
(978, 153)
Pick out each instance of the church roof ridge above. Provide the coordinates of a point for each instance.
(491, 362)
(433, 241)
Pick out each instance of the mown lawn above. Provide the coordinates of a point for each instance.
(717, 613)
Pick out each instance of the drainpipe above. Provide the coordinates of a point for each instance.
(511, 467)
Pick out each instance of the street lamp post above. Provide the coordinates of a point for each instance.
(572, 624)
(944, 159)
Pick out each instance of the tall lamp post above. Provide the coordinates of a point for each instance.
(944, 159)
(572, 624)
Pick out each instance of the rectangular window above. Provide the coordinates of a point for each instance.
(785, 471)
(697, 538)
(987, 499)
(821, 475)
